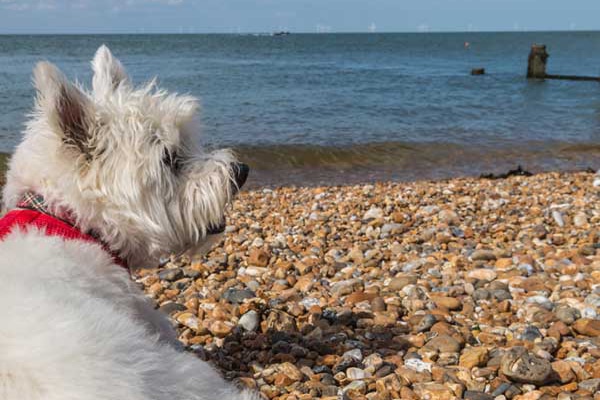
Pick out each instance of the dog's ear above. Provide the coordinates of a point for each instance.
(68, 110)
(108, 73)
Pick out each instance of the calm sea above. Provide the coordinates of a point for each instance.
(334, 108)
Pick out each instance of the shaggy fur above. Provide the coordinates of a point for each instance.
(125, 163)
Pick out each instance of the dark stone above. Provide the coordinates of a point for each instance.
(481, 294)
(457, 232)
(530, 334)
(385, 370)
(344, 364)
(321, 369)
(171, 274)
(238, 296)
(501, 295)
(475, 395)
(501, 389)
(281, 347)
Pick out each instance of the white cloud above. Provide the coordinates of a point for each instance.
(164, 2)
(115, 5)
(14, 5)
(23, 5)
(46, 5)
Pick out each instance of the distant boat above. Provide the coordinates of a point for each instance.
(281, 33)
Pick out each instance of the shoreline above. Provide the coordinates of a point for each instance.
(315, 165)
(429, 289)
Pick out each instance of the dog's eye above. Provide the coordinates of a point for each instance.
(172, 160)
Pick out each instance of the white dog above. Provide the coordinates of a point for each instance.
(102, 179)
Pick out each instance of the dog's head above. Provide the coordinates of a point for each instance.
(125, 161)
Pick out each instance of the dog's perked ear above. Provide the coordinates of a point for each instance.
(108, 73)
(68, 110)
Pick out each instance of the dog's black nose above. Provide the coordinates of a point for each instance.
(240, 174)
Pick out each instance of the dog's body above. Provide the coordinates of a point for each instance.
(73, 326)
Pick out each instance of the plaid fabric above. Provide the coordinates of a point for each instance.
(32, 201)
(36, 202)
(32, 210)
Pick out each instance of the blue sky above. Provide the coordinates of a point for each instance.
(119, 16)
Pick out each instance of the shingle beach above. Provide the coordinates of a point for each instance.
(468, 288)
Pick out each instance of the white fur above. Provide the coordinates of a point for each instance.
(72, 324)
(122, 189)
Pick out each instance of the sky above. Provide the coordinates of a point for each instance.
(231, 16)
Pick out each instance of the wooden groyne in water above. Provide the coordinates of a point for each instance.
(536, 66)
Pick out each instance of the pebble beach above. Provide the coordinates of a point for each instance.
(461, 289)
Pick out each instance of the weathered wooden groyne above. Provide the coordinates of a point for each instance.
(536, 66)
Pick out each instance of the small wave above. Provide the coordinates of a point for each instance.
(400, 153)
(406, 161)
(304, 155)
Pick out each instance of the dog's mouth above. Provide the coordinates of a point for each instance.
(240, 175)
(217, 229)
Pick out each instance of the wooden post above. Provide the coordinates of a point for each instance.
(536, 66)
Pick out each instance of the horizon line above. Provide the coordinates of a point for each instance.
(142, 32)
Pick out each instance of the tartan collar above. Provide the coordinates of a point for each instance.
(36, 202)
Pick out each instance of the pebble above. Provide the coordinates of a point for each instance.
(425, 323)
(433, 391)
(483, 274)
(473, 357)
(519, 365)
(475, 395)
(590, 385)
(355, 373)
(220, 329)
(354, 389)
(400, 282)
(483, 255)
(450, 303)
(587, 327)
(567, 315)
(250, 321)
(443, 344)
(238, 295)
(373, 213)
(558, 218)
(417, 365)
(399, 290)
(171, 274)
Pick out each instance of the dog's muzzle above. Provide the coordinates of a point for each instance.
(240, 173)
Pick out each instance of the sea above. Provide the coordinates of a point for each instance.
(312, 109)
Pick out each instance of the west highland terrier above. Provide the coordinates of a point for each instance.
(104, 179)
